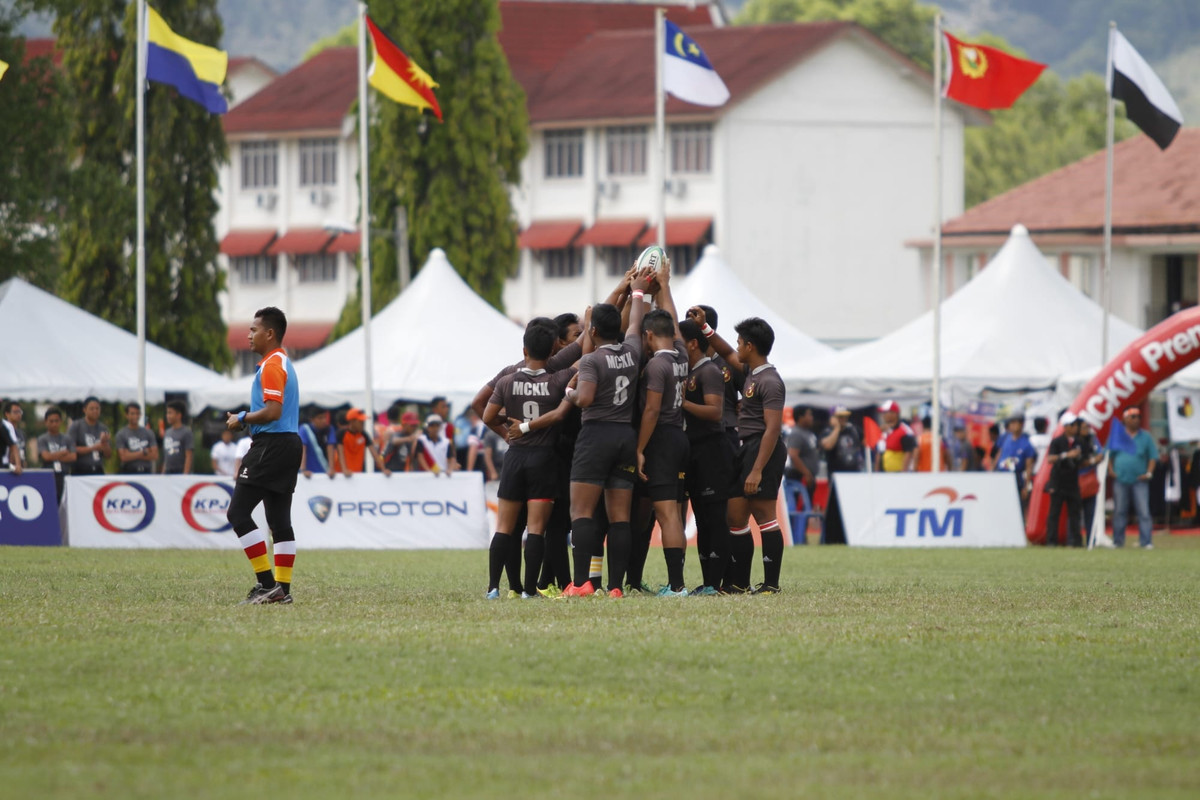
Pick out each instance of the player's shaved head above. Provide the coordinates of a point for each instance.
(539, 341)
(606, 319)
(659, 323)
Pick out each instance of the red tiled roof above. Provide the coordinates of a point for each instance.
(536, 35)
(1153, 190)
(612, 233)
(237, 62)
(680, 231)
(611, 75)
(299, 336)
(246, 243)
(315, 95)
(36, 48)
(301, 242)
(549, 234)
(346, 243)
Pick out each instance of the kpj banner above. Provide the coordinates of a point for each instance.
(403, 511)
(29, 509)
(930, 509)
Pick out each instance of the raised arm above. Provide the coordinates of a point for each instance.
(723, 348)
(665, 301)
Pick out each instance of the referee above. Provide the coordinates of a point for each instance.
(268, 472)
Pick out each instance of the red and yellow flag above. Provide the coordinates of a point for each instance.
(3, 68)
(985, 77)
(397, 76)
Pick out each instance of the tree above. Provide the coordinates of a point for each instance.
(346, 37)
(184, 146)
(452, 179)
(31, 160)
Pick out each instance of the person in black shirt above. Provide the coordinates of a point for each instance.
(1064, 456)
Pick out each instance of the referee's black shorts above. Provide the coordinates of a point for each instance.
(273, 462)
(772, 474)
(605, 455)
(666, 463)
(529, 473)
(710, 469)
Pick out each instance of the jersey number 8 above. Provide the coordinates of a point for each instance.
(622, 390)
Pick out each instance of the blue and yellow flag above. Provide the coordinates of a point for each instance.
(196, 70)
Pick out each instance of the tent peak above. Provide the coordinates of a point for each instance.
(1019, 230)
(711, 251)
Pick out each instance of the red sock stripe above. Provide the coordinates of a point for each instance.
(285, 559)
(740, 531)
(773, 525)
(257, 549)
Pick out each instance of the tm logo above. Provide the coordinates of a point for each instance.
(929, 522)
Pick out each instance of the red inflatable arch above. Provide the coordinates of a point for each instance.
(1125, 381)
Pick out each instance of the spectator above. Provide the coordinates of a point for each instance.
(963, 456)
(1132, 456)
(92, 442)
(842, 443)
(1089, 481)
(13, 439)
(434, 450)
(55, 448)
(1015, 454)
(397, 454)
(440, 407)
(178, 441)
(1064, 456)
(803, 464)
(314, 435)
(354, 444)
(224, 455)
(478, 455)
(993, 450)
(925, 448)
(137, 448)
(1040, 439)
(897, 449)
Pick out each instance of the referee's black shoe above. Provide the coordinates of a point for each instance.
(260, 597)
(763, 588)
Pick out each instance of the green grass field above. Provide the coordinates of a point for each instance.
(876, 673)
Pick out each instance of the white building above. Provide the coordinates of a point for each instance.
(810, 179)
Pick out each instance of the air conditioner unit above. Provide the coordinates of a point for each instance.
(267, 200)
(321, 197)
(609, 189)
(676, 187)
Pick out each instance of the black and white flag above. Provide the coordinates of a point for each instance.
(1147, 102)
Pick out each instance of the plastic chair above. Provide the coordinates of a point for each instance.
(800, 531)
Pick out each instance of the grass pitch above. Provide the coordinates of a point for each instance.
(876, 673)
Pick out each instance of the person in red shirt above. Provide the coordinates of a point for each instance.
(897, 448)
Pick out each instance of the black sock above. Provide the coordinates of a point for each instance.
(287, 587)
(741, 554)
(711, 533)
(512, 565)
(535, 549)
(619, 544)
(266, 579)
(497, 557)
(583, 543)
(772, 552)
(559, 557)
(639, 551)
(674, 558)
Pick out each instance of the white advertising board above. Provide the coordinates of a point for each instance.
(408, 511)
(930, 509)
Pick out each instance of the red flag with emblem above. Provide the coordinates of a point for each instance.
(984, 77)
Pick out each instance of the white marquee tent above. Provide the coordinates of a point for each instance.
(1019, 325)
(712, 282)
(58, 352)
(438, 337)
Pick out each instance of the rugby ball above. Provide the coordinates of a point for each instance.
(651, 258)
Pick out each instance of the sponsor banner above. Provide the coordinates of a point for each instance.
(29, 509)
(917, 509)
(410, 511)
(1183, 414)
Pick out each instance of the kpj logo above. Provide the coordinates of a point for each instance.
(124, 507)
(205, 506)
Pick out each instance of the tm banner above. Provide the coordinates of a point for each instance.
(930, 509)
(403, 511)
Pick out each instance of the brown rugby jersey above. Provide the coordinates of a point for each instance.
(763, 390)
(734, 382)
(559, 361)
(665, 372)
(705, 378)
(614, 369)
(528, 394)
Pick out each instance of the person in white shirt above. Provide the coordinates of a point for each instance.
(225, 455)
(1040, 440)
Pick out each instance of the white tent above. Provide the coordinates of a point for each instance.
(712, 282)
(56, 351)
(1019, 325)
(438, 337)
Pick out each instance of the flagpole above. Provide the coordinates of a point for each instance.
(1106, 277)
(660, 124)
(140, 73)
(936, 400)
(364, 217)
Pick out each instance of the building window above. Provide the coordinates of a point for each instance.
(691, 149)
(684, 257)
(260, 165)
(620, 259)
(254, 269)
(247, 362)
(626, 149)
(564, 263)
(564, 153)
(317, 268)
(318, 162)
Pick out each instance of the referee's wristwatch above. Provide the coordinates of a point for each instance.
(242, 418)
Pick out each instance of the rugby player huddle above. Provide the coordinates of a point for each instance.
(621, 420)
